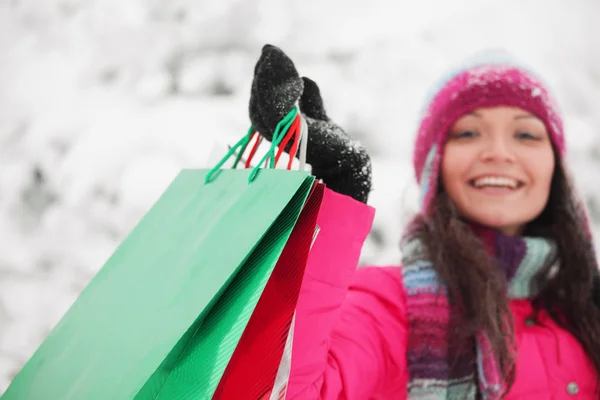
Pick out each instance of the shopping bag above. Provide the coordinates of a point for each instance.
(163, 316)
(344, 226)
(252, 370)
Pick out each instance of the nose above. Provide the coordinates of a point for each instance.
(496, 149)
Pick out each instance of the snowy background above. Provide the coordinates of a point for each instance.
(103, 102)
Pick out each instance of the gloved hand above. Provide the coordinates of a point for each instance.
(342, 164)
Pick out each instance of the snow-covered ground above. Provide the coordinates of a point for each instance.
(102, 102)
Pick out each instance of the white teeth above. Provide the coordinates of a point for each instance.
(496, 181)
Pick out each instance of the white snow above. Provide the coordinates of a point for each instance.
(107, 100)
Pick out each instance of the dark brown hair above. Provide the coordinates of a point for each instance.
(478, 291)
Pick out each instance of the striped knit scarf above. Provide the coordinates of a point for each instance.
(432, 377)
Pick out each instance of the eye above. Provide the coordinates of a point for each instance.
(527, 136)
(465, 134)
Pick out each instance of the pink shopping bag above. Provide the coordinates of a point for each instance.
(344, 225)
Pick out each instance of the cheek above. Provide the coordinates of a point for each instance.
(453, 168)
(541, 170)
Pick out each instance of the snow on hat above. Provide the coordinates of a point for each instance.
(480, 84)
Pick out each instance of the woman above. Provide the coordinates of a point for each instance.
(498, 295)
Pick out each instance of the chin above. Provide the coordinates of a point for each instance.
(506, 223)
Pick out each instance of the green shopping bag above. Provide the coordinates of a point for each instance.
(175, 296)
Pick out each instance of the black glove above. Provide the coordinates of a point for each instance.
(342, 164)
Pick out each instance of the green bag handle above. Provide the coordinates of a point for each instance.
(280, 132)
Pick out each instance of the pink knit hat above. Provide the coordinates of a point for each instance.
(483, 85)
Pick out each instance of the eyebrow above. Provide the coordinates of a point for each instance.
(525, 116)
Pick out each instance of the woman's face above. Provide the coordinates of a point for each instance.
(497, 167)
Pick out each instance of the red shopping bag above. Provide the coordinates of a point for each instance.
(252, 370)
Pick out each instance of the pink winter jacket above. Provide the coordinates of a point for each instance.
(351, 335)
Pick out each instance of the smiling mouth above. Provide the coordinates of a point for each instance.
(496, 183)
